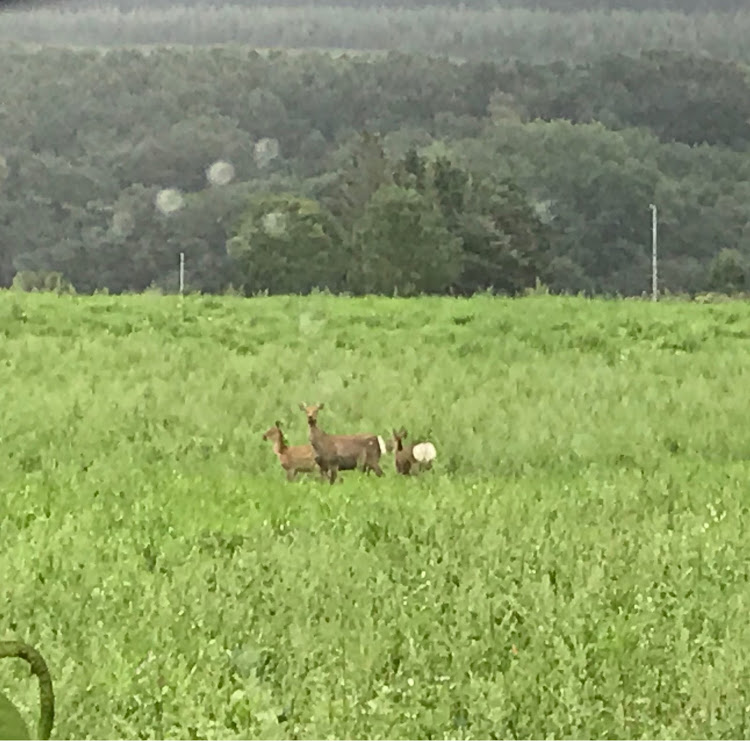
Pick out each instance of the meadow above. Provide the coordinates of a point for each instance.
(576, 564)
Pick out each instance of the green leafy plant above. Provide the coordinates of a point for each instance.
(584, 522)
(12, 725)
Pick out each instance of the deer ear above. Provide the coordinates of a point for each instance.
(321, 406)
(277, 423)
(302, 406)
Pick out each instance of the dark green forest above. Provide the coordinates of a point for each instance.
(475, 150)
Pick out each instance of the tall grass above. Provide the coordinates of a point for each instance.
(575, 565)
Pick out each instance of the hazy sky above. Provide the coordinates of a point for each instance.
(565, 5)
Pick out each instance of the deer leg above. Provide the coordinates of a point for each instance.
(290, 474)
(322, 468)
(333, 470)
(362, 461)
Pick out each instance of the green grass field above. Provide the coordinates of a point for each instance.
(575, 565)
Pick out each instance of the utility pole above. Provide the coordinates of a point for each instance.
(654, 263)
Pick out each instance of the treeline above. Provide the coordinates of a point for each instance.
(534, 36)
(563, 6)
(399, 173)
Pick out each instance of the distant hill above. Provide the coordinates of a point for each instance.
(686, 6)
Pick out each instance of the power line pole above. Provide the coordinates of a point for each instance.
(654, 255)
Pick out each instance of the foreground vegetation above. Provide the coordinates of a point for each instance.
(575, 565)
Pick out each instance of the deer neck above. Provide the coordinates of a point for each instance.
(279, 446)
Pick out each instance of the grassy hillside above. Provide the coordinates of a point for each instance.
(575, 565)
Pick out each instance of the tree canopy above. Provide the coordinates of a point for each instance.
(396, 172)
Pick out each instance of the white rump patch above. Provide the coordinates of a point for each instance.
(383, 448)
(424, 452)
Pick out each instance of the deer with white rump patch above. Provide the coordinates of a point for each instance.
(294, 459)
(334, 453)
(412, 456)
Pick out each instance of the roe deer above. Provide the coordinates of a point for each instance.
(412, 455)
(334, 453)
(294, 459)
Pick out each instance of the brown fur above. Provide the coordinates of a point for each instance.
(405, 461)
(294, 459)
(334, 453)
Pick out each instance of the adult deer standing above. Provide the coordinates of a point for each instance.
(334, 453)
